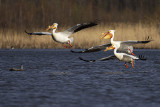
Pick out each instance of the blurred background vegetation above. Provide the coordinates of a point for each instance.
(18, 15)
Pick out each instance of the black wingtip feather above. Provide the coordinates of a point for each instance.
(141, 57)
(86, 60)
(86, 51)
(28, 33)
(87, 25)
(147, 40)
(76, 51)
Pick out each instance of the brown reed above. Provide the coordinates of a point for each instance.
(85, 38)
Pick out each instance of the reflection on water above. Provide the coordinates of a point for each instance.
(59, 78)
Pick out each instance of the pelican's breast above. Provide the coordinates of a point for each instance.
(119, 56)
(60, 37)
(127, 58)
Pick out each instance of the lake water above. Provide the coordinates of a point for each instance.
(57, 78)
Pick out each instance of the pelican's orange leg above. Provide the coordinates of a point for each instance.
(70, 43)
(126, 65)
(64, 46)
(132, 64)
(131, 52)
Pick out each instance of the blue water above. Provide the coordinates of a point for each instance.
(57, 78)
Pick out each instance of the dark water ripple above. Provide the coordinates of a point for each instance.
(58, 78)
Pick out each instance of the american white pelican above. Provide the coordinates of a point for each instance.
(122, 46)
(124, 57)
(64, 37)
(121, 56)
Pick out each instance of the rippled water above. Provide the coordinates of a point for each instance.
(58, 78)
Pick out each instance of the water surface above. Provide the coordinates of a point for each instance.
(56, 77)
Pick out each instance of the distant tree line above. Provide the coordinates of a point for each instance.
(20, 14)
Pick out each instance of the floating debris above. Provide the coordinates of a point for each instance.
(17, 69)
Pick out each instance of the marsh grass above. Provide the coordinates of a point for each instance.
(85, 38)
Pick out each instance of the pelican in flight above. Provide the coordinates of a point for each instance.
(120, 56)
(64, 37)
(122, 46)
(124, 57)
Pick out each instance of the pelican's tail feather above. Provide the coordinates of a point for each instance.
(72, 39)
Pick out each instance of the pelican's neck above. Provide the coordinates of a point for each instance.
(115, 51)
(54, 34)
(112, 39)
(118, 55)
(54, 31)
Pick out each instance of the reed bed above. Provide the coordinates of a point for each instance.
(83, 39)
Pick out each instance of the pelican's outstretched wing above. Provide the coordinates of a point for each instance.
(39, 33)
(94, 49)
(101, 59)
(79, 27)
(129, 42)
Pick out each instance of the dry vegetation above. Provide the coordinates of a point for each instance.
(85, 38)
(132, 20)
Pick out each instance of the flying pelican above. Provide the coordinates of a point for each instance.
(122, 46)
(120, 56)
(64, 37)
(124, 57)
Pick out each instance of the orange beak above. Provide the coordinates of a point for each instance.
(109, 48)
(51, 27)
(106, 35)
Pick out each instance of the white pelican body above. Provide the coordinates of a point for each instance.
(64, 37)
(125, 57)
(61, 37)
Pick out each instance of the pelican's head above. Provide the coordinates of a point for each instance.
(110, 48)
(54, 26)
(108, 35)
